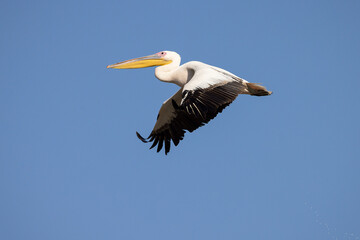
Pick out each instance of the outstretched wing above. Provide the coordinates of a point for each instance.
(168, 125)
(200, 100)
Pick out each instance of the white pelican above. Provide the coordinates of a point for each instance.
(204, 92)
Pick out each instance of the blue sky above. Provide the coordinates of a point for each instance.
(279, 167)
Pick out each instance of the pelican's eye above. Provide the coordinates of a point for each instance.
(161, 54)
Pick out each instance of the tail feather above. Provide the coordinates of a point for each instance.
(257, 90)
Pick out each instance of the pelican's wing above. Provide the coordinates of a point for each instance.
(208, 92)
(169, 124)
(212, 89)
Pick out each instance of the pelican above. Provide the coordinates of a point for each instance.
(204, 92)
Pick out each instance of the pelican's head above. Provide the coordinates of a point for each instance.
(157, 59)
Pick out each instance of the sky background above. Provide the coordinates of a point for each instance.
(280, 167)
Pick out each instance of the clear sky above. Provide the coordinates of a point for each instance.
(280, 167)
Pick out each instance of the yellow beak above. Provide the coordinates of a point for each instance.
(142, 62)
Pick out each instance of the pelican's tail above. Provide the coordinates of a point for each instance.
(257, 90)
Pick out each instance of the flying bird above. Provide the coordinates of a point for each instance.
(204, 92)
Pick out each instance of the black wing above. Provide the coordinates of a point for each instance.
(189, 110)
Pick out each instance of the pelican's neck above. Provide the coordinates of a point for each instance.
(169, 73)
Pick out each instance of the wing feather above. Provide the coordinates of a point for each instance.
(209, 91)
(193, 106)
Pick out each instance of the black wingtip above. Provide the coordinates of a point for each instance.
(167, 145)
(141, 138)
(160, 144)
